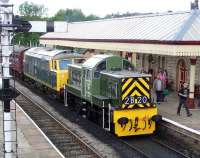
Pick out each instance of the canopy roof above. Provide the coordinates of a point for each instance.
(167, 33)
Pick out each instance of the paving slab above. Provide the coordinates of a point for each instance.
(31, 142)
(168, 109)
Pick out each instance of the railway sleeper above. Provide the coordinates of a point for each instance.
(50, 126)
(56, 136)
(44, 121)
(54, 132)
(69, 147)
(78, 154)
(61, 141)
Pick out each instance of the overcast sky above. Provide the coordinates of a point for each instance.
(103, 7)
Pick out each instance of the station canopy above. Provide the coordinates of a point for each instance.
(175, 34)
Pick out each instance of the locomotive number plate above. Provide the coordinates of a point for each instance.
(135, 100)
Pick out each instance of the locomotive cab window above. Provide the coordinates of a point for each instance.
(112, 89)
(76, 78)
(87, 74)
(63, 64)
(100, 67)
(127, 65)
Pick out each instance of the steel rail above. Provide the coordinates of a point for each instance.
(170, 148)
(90, 150)
(178, 128)
(145, 155)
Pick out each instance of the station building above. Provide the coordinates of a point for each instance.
(168, 41)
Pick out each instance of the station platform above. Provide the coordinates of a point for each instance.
(168, 109)
(31, 142)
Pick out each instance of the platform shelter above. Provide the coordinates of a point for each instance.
(170, 41)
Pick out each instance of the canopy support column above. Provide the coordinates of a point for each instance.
(134, 59)
(191, 103)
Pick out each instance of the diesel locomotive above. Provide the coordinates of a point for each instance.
(106, 90)
(46, 68)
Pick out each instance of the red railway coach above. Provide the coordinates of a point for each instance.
(16, 60)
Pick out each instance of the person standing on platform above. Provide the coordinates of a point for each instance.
(183, 95)
(158, 87)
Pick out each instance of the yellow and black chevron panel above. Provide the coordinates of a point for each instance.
(136, 93)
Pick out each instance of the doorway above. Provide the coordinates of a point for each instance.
(181, 73)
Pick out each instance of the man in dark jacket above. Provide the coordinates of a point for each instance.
(183, 94)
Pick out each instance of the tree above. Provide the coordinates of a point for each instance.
(72, 15)
(91, 17)
(30, 11)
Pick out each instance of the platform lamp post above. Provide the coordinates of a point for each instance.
(8, 26)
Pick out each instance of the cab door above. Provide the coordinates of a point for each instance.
(87, 84)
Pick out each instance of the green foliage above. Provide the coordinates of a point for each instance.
(30, 11)
(26, 38)
(72, 15)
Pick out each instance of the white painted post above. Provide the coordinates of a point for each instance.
(6, 37)
(8, 135)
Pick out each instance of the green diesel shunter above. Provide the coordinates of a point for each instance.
(106, 90)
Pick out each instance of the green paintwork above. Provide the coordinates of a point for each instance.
(99, 88)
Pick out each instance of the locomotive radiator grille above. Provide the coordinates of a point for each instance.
(135, 93)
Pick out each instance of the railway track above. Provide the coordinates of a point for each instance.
(151, 147)
(69, 144)
(187, 141)
(169, 141)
